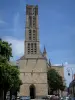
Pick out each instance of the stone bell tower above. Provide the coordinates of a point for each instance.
(31, 32)
(33, 64)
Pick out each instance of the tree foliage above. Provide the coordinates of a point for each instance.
(5, 49)
(55, 81)
(9, 74)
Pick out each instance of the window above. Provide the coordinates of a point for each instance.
(30, 21)
(32, 52)
(31, 48)
(28, 45)
(36, 11)
(29, 31)
(29, 36)
(34, 21)
(31, 45)
(30, 11)
(33, 24)
(28, 48)
(33, 11)
(34, 31)
(34, 37)
(35, 51)
(35, 45)
(35, 48)
(28, 52)
(34, 18)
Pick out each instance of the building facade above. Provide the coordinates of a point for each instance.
(33, 64)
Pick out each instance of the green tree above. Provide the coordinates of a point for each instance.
(55, 81)
(9, 78)
(9, 74)
(5, 49)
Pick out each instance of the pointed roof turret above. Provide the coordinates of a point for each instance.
(44, 51)
(49, 63)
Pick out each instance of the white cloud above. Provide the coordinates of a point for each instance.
(17, 45)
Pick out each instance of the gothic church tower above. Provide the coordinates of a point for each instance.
(32, 65)
(32, 34)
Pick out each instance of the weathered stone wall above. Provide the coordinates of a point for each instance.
(41, 90)
(33, 71)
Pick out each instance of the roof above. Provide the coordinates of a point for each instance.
(41, 57)
(57, 65)
(22, 58)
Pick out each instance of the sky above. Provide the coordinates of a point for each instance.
(56, 27)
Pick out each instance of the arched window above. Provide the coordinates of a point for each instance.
(31, 48)
(30, 35)
(30, 21)
(35, 48)
(28, 48)
(34, 21)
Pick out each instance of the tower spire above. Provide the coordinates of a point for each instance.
(44, 52)
(49, 63)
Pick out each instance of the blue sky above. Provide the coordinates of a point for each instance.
(56, 27)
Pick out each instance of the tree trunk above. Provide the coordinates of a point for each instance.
(16, 96)
(1, 94)
(5, 95)
(10, 95)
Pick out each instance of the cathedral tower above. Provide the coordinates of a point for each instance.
(31, 32)
(33, 64)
